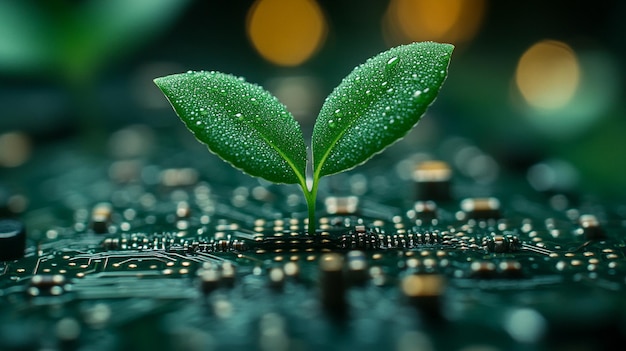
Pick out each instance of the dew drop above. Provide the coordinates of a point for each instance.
(239, 116)
(392, 62)
(417, 93)
(331, 123)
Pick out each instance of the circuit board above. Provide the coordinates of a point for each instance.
(432, 248)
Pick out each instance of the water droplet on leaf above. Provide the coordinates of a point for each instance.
(392, 62)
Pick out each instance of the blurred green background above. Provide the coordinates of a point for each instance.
(531, 83)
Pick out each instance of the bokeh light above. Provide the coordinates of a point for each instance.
(452, 21)
(563, 92)
(286, 32)
(15, 149)
(548, 74)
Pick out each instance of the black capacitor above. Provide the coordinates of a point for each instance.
(101, 217)
(229, 273)
(12, 239)
(4, 202)
(332, 283)
(357, 273)
(433, 180)
(209, 279)
(276, 277)
(591, 227)
(425, 292)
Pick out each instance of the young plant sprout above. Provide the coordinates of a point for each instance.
(373, 107)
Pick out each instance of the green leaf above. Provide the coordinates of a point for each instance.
(240, 122)
(377, 104)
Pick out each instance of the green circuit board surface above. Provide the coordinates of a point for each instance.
(172, 249)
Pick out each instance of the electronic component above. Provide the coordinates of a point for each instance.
(501, 243)
(423, 212)
(425, 292)
(483, 269)
(510, 269)
(50, 284)
(332, 283)
(101, 217)
(12, 239)
(590, 227)
(341, 205)
(276, 278)
(481, 208)
(229, 274)
(433, 180)
(212, 257)
(356, 268)
(209, 277)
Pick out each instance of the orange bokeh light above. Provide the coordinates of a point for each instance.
(548, 74)
(451, 21)
(286, 32)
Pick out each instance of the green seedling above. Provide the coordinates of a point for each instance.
(374, 106)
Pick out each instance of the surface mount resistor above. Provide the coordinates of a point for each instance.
(481, 208)
(48, 284)
(341, 205)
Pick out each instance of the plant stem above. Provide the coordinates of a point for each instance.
(310, 197)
